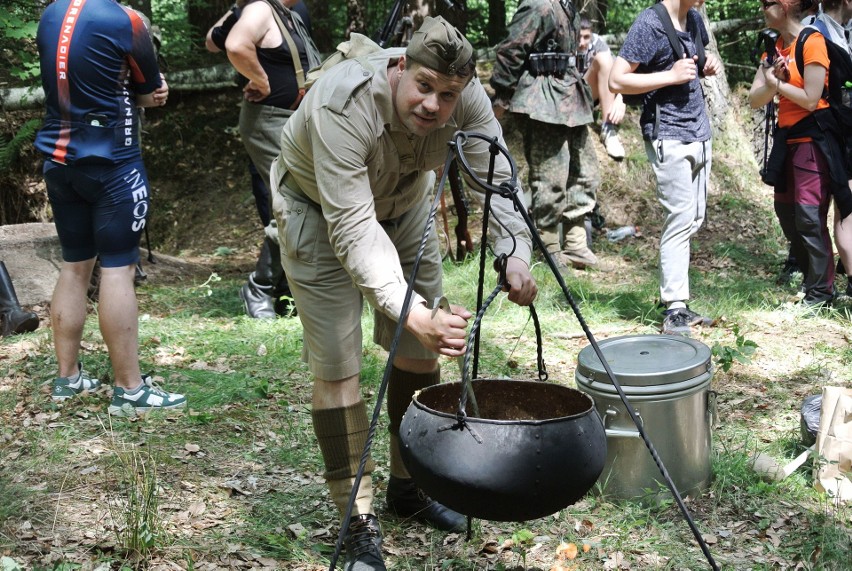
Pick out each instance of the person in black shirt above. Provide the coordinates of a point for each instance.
(270, 65)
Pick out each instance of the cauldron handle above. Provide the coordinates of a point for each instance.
(500, 265)
(467, 387)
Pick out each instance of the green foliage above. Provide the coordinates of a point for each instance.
(521, 541)
(9, 564)
(741, 352)
(620, 16)
(10, 150)
(18, 27)
(13, 498)
(181, 41)
(205, 289)
(477, 24)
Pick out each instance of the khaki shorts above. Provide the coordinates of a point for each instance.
(328, 303)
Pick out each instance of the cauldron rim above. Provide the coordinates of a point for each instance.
(474, 419)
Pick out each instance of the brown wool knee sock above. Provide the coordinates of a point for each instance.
(401, 388)
(341, 433)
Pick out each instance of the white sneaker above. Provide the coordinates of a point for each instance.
(148, 397)
(611, 142)
(67, 387)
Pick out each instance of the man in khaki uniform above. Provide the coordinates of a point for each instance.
(353, 189)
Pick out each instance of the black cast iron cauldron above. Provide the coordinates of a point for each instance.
(537, 448)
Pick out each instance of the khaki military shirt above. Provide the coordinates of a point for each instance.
(345, 151)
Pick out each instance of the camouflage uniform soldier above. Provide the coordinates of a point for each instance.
(536, 78)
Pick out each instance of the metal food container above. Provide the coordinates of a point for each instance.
(666, 379)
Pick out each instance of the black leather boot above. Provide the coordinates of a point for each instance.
(363, 542)
(406, 500)
(258, 293)
(13, 319)
(257, 299)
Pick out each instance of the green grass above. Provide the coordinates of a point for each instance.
(250, 416)
(239, 473)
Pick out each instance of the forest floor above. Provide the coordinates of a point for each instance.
(203, 213)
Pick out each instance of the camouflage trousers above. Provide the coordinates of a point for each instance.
(563, 171)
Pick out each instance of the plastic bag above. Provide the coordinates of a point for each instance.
(810, 418)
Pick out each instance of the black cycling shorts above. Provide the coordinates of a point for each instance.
(99, 210)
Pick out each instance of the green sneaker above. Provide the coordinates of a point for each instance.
(67, 387)
(146, 398)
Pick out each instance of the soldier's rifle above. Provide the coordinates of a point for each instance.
(389, 30)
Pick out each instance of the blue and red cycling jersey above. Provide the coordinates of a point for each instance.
(96, 57)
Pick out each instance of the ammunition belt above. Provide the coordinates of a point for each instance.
(551, 63)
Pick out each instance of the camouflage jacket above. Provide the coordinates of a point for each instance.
(542, 26)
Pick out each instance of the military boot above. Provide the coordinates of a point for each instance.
(363, 542)
(13, 319)
(258, 293)
(257, 299)
(406, 500)
(575, 249)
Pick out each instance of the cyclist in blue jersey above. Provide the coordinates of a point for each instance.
(97, 65)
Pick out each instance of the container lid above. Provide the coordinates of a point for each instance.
(645, 360)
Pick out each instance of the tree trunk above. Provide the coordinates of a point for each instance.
(716, 89)
(220, 76)
(496, 29)
(204, 13)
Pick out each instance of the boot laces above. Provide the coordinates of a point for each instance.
(363, 537)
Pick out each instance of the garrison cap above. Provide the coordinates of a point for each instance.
(439, 46)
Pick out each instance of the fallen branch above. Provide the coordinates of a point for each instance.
(220, 76)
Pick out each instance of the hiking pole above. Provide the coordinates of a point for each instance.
(769, 128)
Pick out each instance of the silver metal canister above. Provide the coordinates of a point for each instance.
(667, 380)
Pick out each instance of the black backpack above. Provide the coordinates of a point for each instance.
(677, 48)
(838, 95)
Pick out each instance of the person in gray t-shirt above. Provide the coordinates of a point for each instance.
(677, 138)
